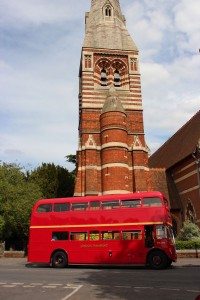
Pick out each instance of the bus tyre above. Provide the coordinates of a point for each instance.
(59, 259)
(157, 260)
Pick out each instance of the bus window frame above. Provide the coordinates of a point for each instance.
(85, 206)
(62, 211)
(151, 204)
(97, 207)
(109, 205)
(112, 232)
(45, 211)
(96, 233)
(79, 233)
(56, 234)
(138, 205)
(133, 233)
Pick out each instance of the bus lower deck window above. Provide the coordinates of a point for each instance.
(60, 236)
(161, 232)
(78, 236)
(110, 235)
(132, 235)
(94, 235)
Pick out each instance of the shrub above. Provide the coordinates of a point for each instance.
(188, 245)
(189, 232)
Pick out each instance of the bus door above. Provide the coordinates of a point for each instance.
(149, 233)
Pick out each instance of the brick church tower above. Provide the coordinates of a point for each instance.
(112, 156)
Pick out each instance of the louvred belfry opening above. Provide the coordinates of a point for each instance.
(112, 157)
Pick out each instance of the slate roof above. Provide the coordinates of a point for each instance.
(179, 146)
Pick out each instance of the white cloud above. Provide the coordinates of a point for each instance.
(187, 22)
(167, 34)
(39, 11)
(39, 63)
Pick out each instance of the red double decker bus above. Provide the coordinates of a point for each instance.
(113, 229)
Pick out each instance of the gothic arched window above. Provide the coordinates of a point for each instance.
(190, 212)
(88, 61)
(103, 77)
(133, 62)
(108, 11)
(117, 78)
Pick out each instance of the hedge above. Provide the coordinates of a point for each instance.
(188, 245)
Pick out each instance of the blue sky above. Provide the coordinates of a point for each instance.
(40, 48)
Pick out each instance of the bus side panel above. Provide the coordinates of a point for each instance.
(89, 252)
(107, 252)
(39, 248)
(131, 252)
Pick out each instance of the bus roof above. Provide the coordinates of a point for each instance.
(136, 195)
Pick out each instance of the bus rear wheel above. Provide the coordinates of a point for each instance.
(59, 259)
(157, 260)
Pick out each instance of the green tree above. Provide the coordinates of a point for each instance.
(71, 158)
(17, 197)
(190, 231)
(66, 181)
(54, 181)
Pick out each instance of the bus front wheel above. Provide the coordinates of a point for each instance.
(157, 260)
(59, 259)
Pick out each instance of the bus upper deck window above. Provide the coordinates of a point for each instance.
(44, 208)
(152, 202)
(110, 204)
(60, 207)
(131, 203)
(94, 205)
(80, 206)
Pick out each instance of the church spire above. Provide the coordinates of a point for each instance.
(106, 27)
(110, 107)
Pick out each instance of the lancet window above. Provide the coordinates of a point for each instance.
(190, 212)
(103, 77)
(117, 81)
(88, 61)
(108, 11)
(133, 62)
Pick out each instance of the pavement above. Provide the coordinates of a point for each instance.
(187, 262)
(181, 262)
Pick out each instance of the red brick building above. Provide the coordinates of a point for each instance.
(112, 156)
(180, 156)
